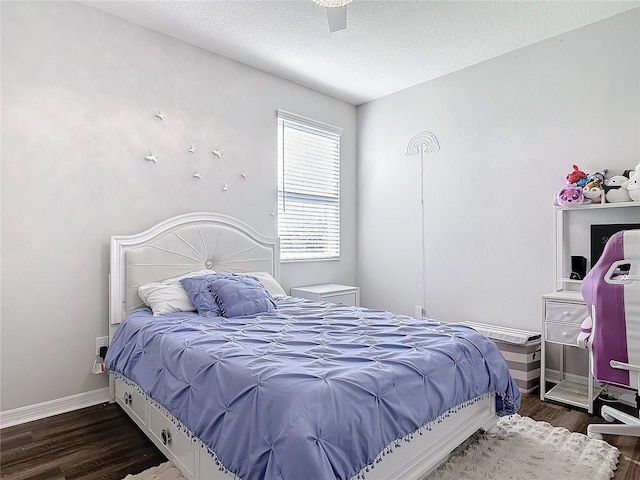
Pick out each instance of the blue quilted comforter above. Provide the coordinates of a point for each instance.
(310, 391)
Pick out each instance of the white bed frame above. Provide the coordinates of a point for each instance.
(201, 240)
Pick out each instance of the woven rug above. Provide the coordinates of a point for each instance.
(522, 449)
(164, 471)
(526, 449)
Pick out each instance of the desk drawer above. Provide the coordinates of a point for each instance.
(566, 313)
(565, 333)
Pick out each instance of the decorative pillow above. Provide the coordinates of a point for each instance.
(240, 295)
(168, 296)
(270, 284)
(199, 291)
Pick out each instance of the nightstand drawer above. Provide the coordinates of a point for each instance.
(565, 333)
(566, 313)
(344, 298)
(330, 292)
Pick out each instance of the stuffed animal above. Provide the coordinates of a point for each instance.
(577, 177)
(570, 195)
(598, 177)
(614, 189)
(594, 191)
(633, 185)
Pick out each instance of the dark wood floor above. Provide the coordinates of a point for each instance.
(101, 443)
(97, 443)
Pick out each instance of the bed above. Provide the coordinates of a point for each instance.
(301, 389)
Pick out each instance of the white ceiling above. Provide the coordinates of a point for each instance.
(387, 46)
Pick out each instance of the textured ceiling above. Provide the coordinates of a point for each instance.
(387, 46)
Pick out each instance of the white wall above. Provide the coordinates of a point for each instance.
(509, 130)
(79, 90)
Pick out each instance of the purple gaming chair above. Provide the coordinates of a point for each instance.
(611, 291)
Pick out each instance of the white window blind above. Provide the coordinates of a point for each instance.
(308, 188)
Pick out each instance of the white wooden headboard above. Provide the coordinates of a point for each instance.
(181, 244)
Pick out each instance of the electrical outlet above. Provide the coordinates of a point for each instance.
(418, 311)
(101, 342)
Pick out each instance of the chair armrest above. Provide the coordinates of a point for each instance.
(624, 366)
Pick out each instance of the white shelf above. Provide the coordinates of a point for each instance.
(573, 393)
(570, 280)
(594, 206)
(564, 296)
(566, 224)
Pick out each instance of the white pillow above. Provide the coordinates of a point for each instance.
(163, 298)
(195, 273)
(169, 296)
(270, 284)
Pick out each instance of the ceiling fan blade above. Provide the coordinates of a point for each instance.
(337, 18)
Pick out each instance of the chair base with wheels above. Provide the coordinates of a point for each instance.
(630, 425)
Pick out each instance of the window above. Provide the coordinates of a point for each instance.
(308, 188)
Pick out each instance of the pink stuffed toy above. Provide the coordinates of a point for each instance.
(570, 195)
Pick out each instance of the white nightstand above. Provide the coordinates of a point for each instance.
(329, 292)
(563, 313)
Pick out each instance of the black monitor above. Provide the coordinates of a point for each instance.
(601, 233)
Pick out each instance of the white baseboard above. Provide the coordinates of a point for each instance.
(29, 413)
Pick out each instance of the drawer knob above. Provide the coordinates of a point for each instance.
(566, 314)
(565, 334)
(126, 396)
(165, 436)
